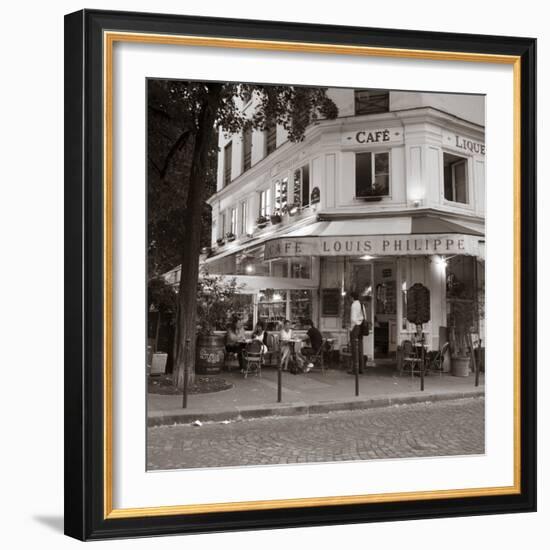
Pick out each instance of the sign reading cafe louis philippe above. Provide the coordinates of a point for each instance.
(375, 245)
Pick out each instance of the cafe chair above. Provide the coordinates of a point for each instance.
(318, 359)
(253, 358)
(436, 363)
(410, 360)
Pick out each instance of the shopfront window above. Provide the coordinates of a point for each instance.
(368, 102)
(300, 268)
(455, 178)
(279, 268)
(301, 186)
(300, 307)
(372, 175)
(274, 306)
(294, 268)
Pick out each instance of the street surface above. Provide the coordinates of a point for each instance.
(428, 429)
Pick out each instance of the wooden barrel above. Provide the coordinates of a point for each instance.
(210, 354)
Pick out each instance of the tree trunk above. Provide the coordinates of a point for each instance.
(187, 294)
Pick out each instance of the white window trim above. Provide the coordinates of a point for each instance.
(390, 186)
(300, 169)
(268, 206)
(233, 220)
(469, 181)
(243, 217)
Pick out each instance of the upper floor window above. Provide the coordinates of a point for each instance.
(372, 175)
(247, 149)
(265, 200)
(233, 222)
(227, 154)
(301, 186)
(270, 138)
(455, 178)
(244, 218)
(281, 194)
(368, 102)
(221, 226)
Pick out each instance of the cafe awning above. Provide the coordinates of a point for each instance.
(377, 236)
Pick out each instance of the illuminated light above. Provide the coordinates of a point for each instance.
(343, 292)
(367, 257)
(404, 286)
(249, 268)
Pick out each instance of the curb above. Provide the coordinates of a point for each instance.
(167, 418)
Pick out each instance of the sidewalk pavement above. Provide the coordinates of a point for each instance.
(256, 396)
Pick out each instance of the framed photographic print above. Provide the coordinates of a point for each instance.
(300, 274)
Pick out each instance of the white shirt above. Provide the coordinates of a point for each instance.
(285, 335)
(357, 313)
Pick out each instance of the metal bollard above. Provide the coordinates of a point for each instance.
(280, 382)
(356, 366)
(185, 368)
(422, 366)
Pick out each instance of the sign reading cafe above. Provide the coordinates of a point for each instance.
(374, 136)
(375, 245)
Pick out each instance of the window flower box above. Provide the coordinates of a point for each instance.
(262, 222)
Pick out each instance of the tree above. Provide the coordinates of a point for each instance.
(199, 110)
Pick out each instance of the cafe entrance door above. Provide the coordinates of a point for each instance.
(375, 281)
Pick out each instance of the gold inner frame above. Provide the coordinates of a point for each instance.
(109, 39)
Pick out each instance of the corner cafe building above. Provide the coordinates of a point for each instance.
(390, 194)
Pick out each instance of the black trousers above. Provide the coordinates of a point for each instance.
(238, 348)
(357, 354)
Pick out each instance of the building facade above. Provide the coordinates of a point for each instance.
(389, 194)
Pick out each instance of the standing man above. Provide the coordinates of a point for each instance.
(357, 316)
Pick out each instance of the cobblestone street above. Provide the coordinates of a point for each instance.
(428, 429)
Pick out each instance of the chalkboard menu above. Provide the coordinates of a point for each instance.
(330, 302)
(418, 304)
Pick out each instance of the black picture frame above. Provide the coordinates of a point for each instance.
(85, 497)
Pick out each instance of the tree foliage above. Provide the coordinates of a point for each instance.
(184, 119)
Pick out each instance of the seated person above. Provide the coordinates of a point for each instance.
(235, 339)
(315, 339)
(260, 334)
(284, 337)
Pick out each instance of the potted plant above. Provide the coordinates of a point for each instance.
(220, 241)
(230, 236)
(276, 217)
(262, 221)
(461, 318)
(216, 298)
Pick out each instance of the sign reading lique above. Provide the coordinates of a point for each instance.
(463, 144)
